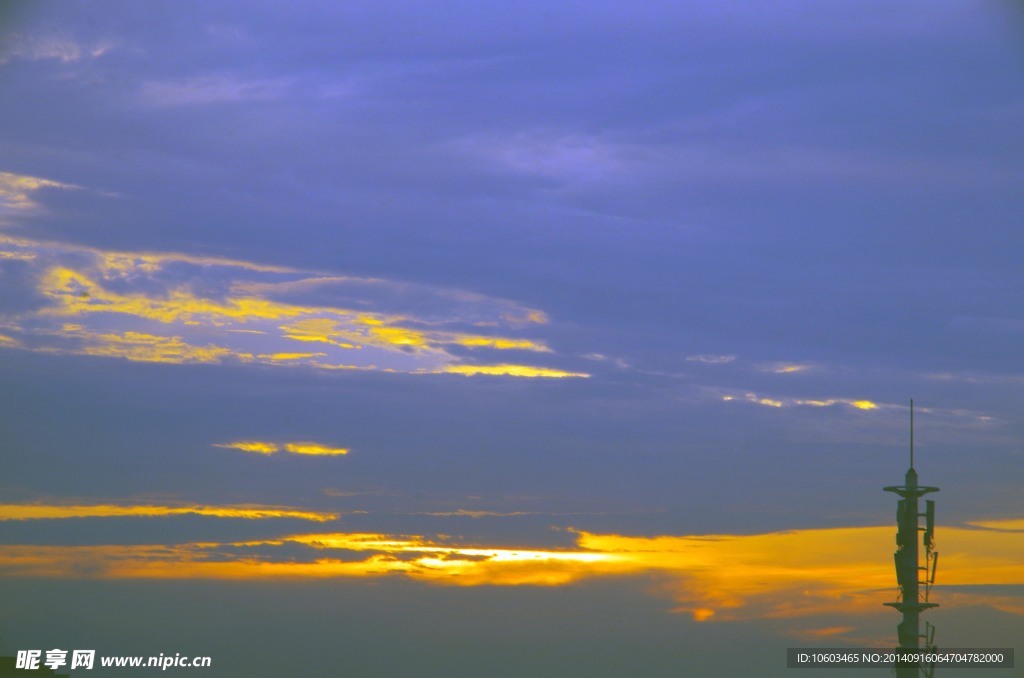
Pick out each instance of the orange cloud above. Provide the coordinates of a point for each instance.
(789, 574)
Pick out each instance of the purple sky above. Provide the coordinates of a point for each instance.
(504, 275)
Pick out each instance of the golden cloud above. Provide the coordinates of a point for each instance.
(500, 343)
(16, 190)
(301, 447)
(141, 347)
(178, 308)
(75, 294)
(61, 511)
(257, 446)
(315, 449)
(511, 370)
(286, 357)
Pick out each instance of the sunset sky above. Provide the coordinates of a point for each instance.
(535, 338)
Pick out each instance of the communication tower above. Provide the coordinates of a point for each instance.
(915, 578)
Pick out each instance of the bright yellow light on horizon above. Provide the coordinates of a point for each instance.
(711, 577)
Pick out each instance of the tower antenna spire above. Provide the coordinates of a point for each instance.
(911, 433)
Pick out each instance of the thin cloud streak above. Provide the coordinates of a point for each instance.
(306, 448)
(781, 402)
(18, 46)
(212, 89)
(65, 511)
(315, 449)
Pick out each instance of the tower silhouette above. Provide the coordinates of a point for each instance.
(914, 578)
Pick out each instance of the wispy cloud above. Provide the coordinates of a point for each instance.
(978, 377)
(212, 89)
(781, 401)
(564, 156)
(16, 191)
(712, 359)
(1006, 525)
(511, 371)
(305, 447)
(952, 420)
(49, 47)
(784, 368)
(64, 511)
(315, 449)
(257, 446)
(141, 347)
(179, 308)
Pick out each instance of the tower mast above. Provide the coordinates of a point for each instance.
(915, 580)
